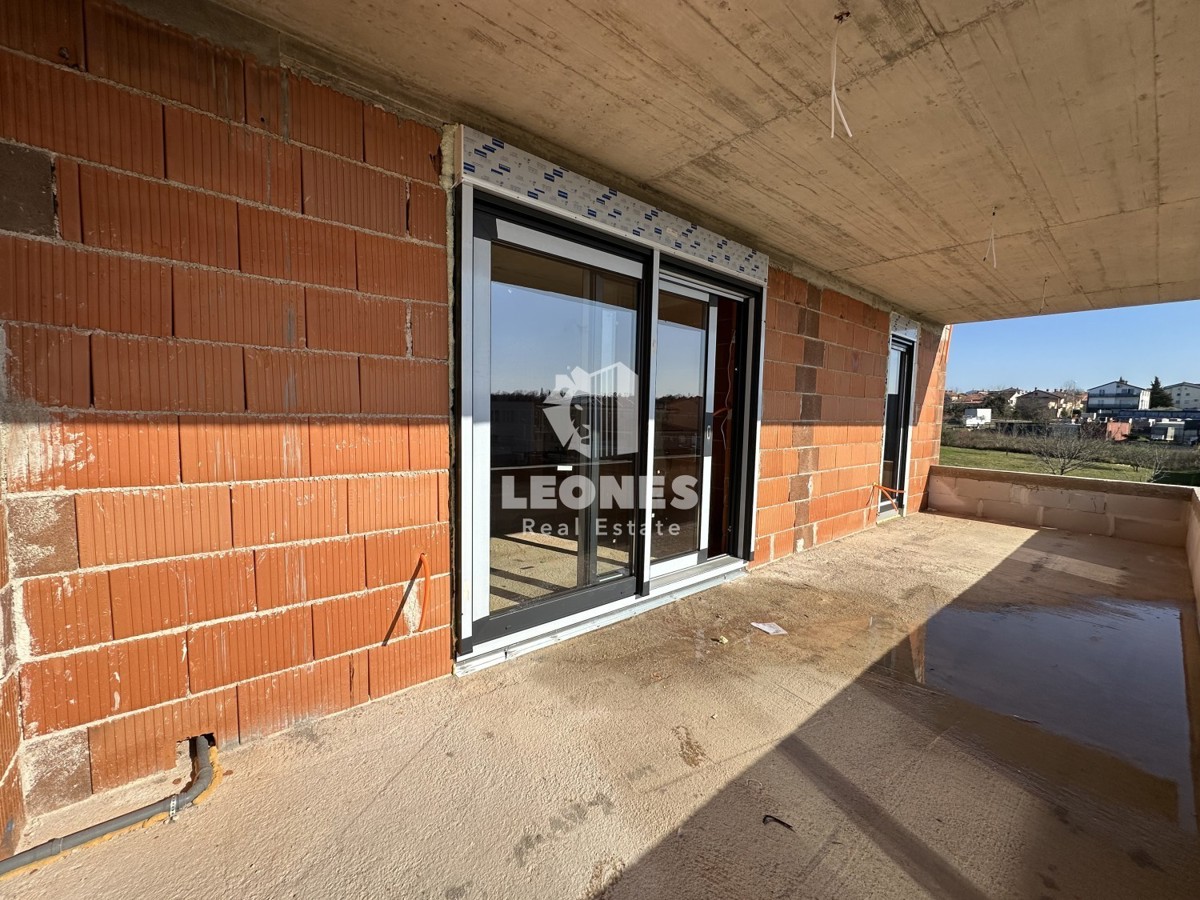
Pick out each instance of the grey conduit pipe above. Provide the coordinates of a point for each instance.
(203, 751)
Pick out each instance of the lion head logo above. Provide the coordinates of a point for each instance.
(614, 389)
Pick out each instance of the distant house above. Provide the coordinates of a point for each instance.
(977, 418)
(1117, 396)
(1184, 394)
(1010, 395)
(1056, 404)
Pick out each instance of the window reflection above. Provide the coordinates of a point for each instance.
(679, 413)
(563, 408)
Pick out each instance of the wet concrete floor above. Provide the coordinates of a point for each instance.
(960, 709)
(1105, 675)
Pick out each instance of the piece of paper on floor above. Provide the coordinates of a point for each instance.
(768, 627)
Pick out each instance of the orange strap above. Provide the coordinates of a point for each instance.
(892, 493)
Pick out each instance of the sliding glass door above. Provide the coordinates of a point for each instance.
(562, 386)
(898, 414)
(684, 354)
(593, 389)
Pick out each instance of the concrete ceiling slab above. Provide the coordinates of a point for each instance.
(1079, 128)
(1077, 120)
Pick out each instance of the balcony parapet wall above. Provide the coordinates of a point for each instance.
(1155, 513)
(1193, 543)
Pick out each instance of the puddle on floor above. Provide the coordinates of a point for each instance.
(1105, 674)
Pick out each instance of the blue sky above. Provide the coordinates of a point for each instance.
(1089, 348)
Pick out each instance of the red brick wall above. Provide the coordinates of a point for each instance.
(824, 377)
(228, 391)
(226, 439)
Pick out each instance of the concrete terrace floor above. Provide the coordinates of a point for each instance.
(961, 709)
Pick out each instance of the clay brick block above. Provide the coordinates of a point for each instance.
(428, 444)
(775, 519)
(162, 595)
(346, 321)
(776, 463)
(55, 285)
(152, 524)
(92, 452)
(227, 652)
(288, 511)
(780, 406)
(358, 678)
(210, 153)
(361, 620)
(392, 557)
(49, 29)
(300, 572)
(347, 447)
(63, 691)
(397, 268)
(443, 496)
(409, 661)
(52, 107)
(778, 376)
(437, 613)
(265, 97)
(322, 117)
(392, 501)
(141, 744)
(227, 448)
(146, 374)
(271, 704)
(404, 387)
(48, 366)
(223, 306)
(65, 612)
(12, 810)
(353, 194)
(784, 315)
(293, 381)
(773, 491)
(127, 48)
(26, 191)
(426, 213)
(147, 599)
(430, 331)
(122, 212)
(42, 535)
(292, 248)
(67, 201)
(399, 145)
(10, 726)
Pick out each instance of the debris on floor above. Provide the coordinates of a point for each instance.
(768, 627)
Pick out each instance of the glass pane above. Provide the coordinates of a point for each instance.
(682, 365)
(894, 416)
(564, 426)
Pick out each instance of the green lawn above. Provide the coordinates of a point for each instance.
(1023, 462)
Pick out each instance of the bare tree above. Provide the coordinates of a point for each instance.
(1062, 452)
(1157, 457)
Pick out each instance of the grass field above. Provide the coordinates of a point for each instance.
(1023, 462)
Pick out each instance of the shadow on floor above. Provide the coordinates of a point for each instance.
(1037, 737)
